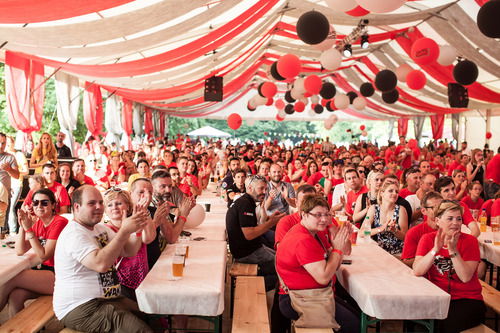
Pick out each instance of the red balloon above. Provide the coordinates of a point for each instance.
(488, 135)
(416, 79)
(299, 106)
(289, 66)
(362, 127)
(313, 84)
(424, 51)
(324, 101)
(279, 104)
(268, 89)
(307, 94)
(269, 102)
(278, 118)
(234, 121)
(358, 11)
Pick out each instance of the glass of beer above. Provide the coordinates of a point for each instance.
(354, 237)
(177, 267)
(184, 241)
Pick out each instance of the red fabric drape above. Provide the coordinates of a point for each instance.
(444, 74)
(93, 112)
(31, 11)
(172, 58)
(148, 122)
(127, 120)
(162, 124)
(437, 124)
(25, 92)
(402, 126)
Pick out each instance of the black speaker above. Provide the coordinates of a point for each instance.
(458, 96)
(213, 89)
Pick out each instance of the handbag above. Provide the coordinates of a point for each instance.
(315, 307)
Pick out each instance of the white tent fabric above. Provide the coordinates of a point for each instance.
(68, 104)
(209, 131)
(112, 119)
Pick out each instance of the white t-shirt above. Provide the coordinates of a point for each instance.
(414, 202)
(76, 284)
(338, 191)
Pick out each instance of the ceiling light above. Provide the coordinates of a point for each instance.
(364, 41)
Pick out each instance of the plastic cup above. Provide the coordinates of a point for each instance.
(177, 267)
(354, 237)
(207, 207)
(184, 241)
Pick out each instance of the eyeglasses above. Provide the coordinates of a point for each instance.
(113, 189)
(319, 215)
(256, 178)
(44, 203)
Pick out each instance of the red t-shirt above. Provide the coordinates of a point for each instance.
(467, 215)
(287, 222)
(297, 249)
(495, 208)
(412, 238)
(487, 205)
(405, 192)
(471, 204)
(315, 178)
(493, 169)
(52, 231)
(455, 166)
(389, 156)
(439, 273)
(351, 199)
(62, 197)
(184, 187)
(87, 180)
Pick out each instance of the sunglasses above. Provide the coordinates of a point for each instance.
(44, 203)
(113, 189)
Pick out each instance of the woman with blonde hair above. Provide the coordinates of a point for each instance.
(388, 222)
(44, 152)
(365, 200)
(449, 259)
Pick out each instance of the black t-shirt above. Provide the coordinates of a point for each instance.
(403, 202)
(153, 248)
(228, 181)
(240, 215)
(73, 183)
(63, 151)
(233, 189)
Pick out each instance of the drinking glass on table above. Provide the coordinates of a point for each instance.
(184, 241)
(177, 267)
(341, 218)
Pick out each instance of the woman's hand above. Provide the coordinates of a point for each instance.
(341, 239)
(439, 240)
(26, 219)
(185, 206)
(452, 241)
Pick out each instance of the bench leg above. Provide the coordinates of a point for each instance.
(365, 321)
(231, 296)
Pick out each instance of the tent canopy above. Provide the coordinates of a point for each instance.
(158, 53)
(210, 132)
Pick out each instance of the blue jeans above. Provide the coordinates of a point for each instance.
(264, 258)
(12, 214)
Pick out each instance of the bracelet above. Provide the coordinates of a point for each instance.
(138, 234)
(183, 218)
(338, 251)
(433, 252)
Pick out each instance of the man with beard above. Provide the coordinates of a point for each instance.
(280, 195)
(244, 234)
(63, 151)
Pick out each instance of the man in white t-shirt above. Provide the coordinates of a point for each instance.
(87, 291)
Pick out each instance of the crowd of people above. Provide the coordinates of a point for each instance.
(284, 208)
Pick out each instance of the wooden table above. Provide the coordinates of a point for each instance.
(385, 288)
(11, 264)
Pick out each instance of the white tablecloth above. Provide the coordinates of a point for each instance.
(210, 231)
(386, 288)
(199, 292)
(11, 264)
(489, 251)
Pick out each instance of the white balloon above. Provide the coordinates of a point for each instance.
(378, 6)
(259, 100)
(282, 113)
(297, 95)
(342, 5)
(304, 100)
(298, 85)
(315, 99)
(331, 59)
(195, 218)
(359, 103)
(447, 55)
(402, 71)
(250, 121)
(341, 101)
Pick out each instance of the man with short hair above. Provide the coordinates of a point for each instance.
(412, 179)
(79, 175)
(244, 233)
(426, 185)
(446, 187)
(424, 167)
(353, 181)
(430, 202)
(62, 197)
(164, 189)
(280, 195)
(234, 163)
(63, 151)
(8, 164)
(87, 290)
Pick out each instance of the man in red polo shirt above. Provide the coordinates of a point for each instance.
(78, 168)
(353, 182)
(492, 177)
(62, 197)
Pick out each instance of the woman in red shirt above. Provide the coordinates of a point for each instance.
(449, 259)
(39, 232)
(306, 260)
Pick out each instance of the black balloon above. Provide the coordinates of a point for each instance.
(367, 89)
(288, 97)
(487, 19)
(352, 95)
(465, 72)
(328, 90)
(386, 80)
(275, 74)
(318, 108)
(259, 89)
(289, 109)
(390, 97)
(249, 108)
(330, 106)
(313, 27)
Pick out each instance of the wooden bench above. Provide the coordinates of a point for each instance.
(491, 298)
(479, 329)
(32, 318)
(239, 269)
(250, 306)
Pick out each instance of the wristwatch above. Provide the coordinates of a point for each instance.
(453, 255)
(433, 252)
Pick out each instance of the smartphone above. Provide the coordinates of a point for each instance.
(346, 262)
